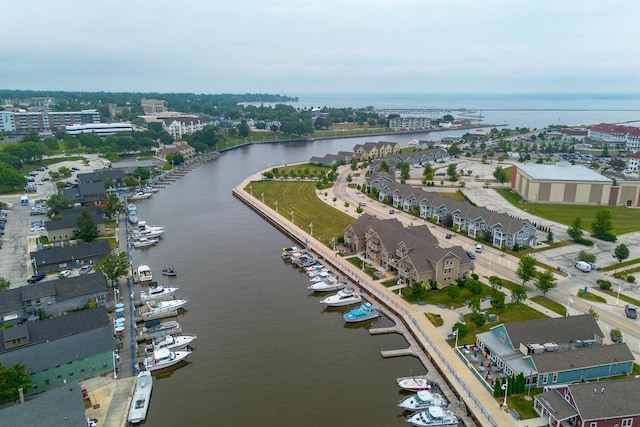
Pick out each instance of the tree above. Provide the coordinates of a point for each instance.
(526, 268)
(87, 229)
(13, 378)
(141, 173)
(518, 295)
(462, 329)
(404, 171)
(575, 229)
(621, 252)
(113, 266)
(4, 284)
(545, 281)
(57, 203)
(586, 257)
(495, 282)
(243, 129)
(384, 166)
(453, 292)
(478, 319)
(474, 304)
(452, 172)
(602, 226)
(428, 171)
(500, 175)
(112, 206)
(497, 301)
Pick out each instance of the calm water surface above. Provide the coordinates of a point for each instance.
(267, 353)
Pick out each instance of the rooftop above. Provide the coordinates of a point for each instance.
(561, 171)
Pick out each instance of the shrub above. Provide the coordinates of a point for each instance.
(604, 284)
(631, 279)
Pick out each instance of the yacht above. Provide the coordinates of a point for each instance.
(422, 400)
(140, 399)
(144, 242)
(345, 296)
(415, 383)
(365, 312)
(159, 308)
(172, 342)
(144, 273)
(433, 416)
(164, 358)
(157, 291)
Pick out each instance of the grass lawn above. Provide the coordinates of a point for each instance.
(590, 296)
(621, 265)
(550, 304)
(300, 198)
(358, 263)
(622, 297)
(303, 170)
(624, 220)
(441, 297)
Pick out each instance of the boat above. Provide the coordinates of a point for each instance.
(144, 243)
(133, 217)
(141, 397)
(137, 235)
(164, 358)
(156, 327)
(323, 277)
(365, 312)
(289, 251)
(156, 291)
(331, 284)
(422, 400)
(143, 226)
(433, 416)
(169, 271)
(156, 308)
(315, 273)
(415, 383)
(150, 189)
(131, 208)
(414, 143)
(172, 342)
(345, 296)
(144, 273)
(140, 195)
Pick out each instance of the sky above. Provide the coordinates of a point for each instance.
(290, 47)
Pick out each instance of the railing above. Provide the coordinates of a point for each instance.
(358, 277)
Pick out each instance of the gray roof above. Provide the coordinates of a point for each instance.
(10, 300)
(91, 189)
(62, 406)
(38, 290)
(69, 218)
(561, 172)
(584, 357)
(100, 175)
(620, 398)
(68, 253)
(80, 285)
(561, 409)
(559, 330)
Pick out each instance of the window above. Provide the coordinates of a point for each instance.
(502, 336)
(47, 382)
(593, 424)
(545, 379)
(59, 378)
(82, 371)
(555, 377)
(627, 422)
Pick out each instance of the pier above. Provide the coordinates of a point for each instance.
(389, 330)
(411, 351)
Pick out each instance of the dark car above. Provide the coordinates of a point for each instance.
(470, 254)
(447, 236)
(36, 277)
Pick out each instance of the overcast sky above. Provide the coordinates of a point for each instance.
(322, 46)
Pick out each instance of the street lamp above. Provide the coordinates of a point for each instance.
(276, 206)
(115, 374)
(292, 221)
(251, 189)
(618, 296)
(505, 387)
(535, 206)
(262, 197)
(456, 334)
(569, 301)
(311, 228)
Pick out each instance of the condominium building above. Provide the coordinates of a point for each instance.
(41, 121)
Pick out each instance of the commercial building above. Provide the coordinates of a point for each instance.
(42, 121)
(153, 106)
(100, 129)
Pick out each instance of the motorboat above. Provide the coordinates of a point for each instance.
(365, 312)
(144, 273)
(345, 296)
(322, 277)
(172, 342)
(414, 143)
(137, 235)
(289, 251)
(141, 397)
(415, 383)
(315, 273)
(150, 189)
(157, 308)
(144, 242)
(160, 328)
(140, 195)
(164, 358)
(433, 416)
(331, 284)
(143, 226)
(157, 291)
(422, 400)
(169, 271)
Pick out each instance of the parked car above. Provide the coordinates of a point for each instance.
(470, 255)
(479, 248)
(65, 273)
(85, 269)
(391, 211)
(36, 277)
(631, 311)
(583, 266)
(362, 204)
(447, 236)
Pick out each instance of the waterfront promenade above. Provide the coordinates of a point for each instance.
(478, 400)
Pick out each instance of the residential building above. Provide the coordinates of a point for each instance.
(616, 136)
(64, 229)
(42, 121)
(86, 194)
(601, 404)
(67, 257)
(109, 177)
(62, 349)
(554, 351)
(176, 148)
(180, 126)
(410, 123)
(374, 150)
(153, 106)
(633, 162)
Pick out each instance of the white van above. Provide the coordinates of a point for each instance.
(583, 266)
(478, 248)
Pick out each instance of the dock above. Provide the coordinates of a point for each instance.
(402, 352)
(389, 330)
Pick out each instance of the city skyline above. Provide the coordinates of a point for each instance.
(292, 47)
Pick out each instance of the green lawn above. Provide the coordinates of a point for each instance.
(300, 198)
(303, 170)
(624, 220)
(550, 304)
(589, 296)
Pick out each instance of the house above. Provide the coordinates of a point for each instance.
(633, 162)
(63, 229)
(62, 349)
(110, 177)
(52, 297)
(180, 126)
(90, 193)
(554, 351)
(176, 148)
(616, 136)
(610, 403)
(66, 257)
(354, 234)
(57, 407)
(374, 150)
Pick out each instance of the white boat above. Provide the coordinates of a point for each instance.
(414, 143)
(414, 383)
(144, 273)
(433, 416)
(144, 243)
(172, 342)
(158, 327)
(315, 273)
(345, 296)
(288, 252)
(155, 308)
(137, 235)
(143, 226)
(326, 285)
(156, 291)
(422, 400)
(140, 195)
(365, 312)
(164, 358)
(150, 189)
(141, 397)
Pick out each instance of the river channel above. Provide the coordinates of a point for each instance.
(267, 353)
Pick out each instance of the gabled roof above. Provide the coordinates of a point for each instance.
(10, 300)
(69, 218)
(99, 175)
(584, 357)
(619, 398)
(66, 253)
(561, 409)
(91, 188)
(38, 290)
(559, 330)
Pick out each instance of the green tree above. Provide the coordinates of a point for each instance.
(112, 206)
(113, 266)
(384, 166)
(474, 304)
(602, 225)
(586, 257)
(526, 268)
(453, 292)
(594, 313)
(452, 172)
(497, 301)
(495, 282)
(87, 229)
(57, 203)
(575, 229)
(500, 175)
(141, 173)
(621, 252)
(478, 319)
(4, 284)
(404, 171)
(13, 378)
(518, 294)
(545, 281)
(462, 329)
(243, 129)
(428, 172)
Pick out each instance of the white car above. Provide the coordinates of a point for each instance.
(65, 273)
(38, 229)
